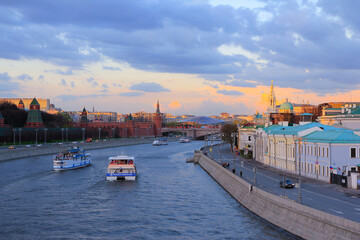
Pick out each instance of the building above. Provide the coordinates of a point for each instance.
(348, 116)
(43, 103)
(224, 115)
(318, 150)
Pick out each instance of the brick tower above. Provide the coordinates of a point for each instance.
(21, 104)
(157, 120)
(34, 119)
(84, 120)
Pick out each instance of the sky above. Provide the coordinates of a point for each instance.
(200, 57)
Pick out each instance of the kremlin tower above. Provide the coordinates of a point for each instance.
(157, 120)
(34, 119)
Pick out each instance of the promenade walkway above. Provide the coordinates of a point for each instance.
(323, 196)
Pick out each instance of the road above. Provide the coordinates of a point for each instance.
(323, 196)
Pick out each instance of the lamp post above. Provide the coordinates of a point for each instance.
(66, 131)
(14, 130)
(113, 132)
(233, 135)
(99, 132)
(20, 129)
(45, 129)
(62, 134)
(254, 158)
(36, 135)
(299, 147)
(83, 132)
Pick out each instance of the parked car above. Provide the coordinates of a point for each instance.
(28, 146)
(89, 140)
(12, 147)
(287, 184)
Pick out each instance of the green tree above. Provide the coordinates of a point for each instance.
(227, 130)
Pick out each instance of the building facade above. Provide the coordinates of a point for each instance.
(43, 103)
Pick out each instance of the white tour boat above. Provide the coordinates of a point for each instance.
(185, 140)
(159, 142)
(121, 168)
(71, 159)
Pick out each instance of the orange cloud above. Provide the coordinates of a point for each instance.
(174, 105)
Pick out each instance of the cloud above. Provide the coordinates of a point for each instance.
(105, 85)
(92, 82)
(72, 84)
(111, 68)
(174, 105)
(241, 83)
(230, 92)
(69, 97)
(131, 94)
(25, 77)
(213, 41)
(63, 83)
(209, 107)
(4, 77)
(41, 78)
(149, 87)
(7, 85)
(61, 72)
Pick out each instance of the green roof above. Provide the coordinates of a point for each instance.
(332, 137)
(286, 105)
(34, 102)
(355, 111)
(333, 108)
(290, 130)
(306, 114)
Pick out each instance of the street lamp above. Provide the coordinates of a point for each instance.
(300, 148)
(234, 135)
(36, 134)
(14, 130)
(83, 134)
(45, 129)
(66, 131)
(254, 158)
(62, 134)
(20, 129)
(99, 132)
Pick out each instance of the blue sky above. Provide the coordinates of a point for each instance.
(200, 57)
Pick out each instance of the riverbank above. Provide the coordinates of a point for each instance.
(296, 218)
(48, 149)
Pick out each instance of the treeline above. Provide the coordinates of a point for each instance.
(17, 117)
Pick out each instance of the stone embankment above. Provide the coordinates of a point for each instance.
(48, 149)
(298, 219)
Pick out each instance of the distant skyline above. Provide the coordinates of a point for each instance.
(197, 57)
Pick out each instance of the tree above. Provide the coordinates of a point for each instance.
(227, 130)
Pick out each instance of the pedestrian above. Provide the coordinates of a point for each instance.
(233, 170)
(241, 174)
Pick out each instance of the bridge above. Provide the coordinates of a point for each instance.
(195, 133)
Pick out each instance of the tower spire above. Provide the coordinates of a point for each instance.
(158, 107)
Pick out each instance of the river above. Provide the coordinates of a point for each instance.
(170, 199)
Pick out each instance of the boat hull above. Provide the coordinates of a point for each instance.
(121, 177)
(63, 168)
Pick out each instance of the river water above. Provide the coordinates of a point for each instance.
(171, 199)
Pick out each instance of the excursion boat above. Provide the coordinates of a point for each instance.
(71, 159)
(184, 140)
(121, 168)
(160, 142)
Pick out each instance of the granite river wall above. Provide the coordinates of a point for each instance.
(298, 219)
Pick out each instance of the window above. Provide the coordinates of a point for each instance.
(327, 152)
(327, 171)
(311, 168)
(323, 154)
(311, 150)
(319, 151)
(323, 170)
(353, 152)
(249, 138)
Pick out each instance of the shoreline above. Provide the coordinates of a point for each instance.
(48, 149)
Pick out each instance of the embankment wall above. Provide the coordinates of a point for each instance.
(298, 219)
(48, 149)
